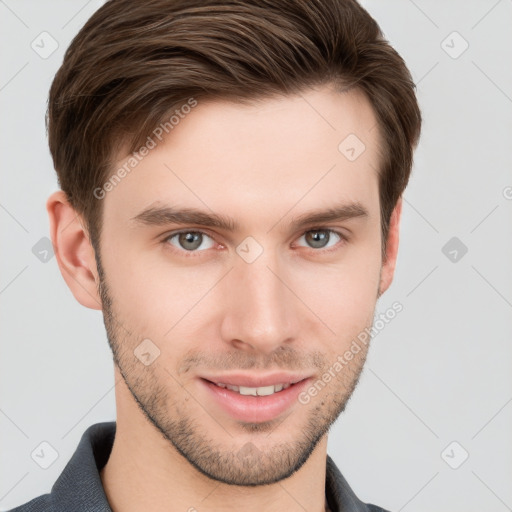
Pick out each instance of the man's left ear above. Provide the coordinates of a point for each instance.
(388, 266)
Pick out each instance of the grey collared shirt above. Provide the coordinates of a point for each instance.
(79, 487)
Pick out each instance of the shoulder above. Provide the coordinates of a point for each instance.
(340, 495)
(43, 503)
(79, 487)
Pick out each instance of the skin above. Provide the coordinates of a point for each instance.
(298, 306)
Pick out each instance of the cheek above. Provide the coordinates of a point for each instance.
(342, 294)
(151, 294)
(345, 301)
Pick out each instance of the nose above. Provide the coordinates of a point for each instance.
(261, 313)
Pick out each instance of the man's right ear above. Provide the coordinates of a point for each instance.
(73, 250)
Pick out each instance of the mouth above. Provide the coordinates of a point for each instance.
(259, 391)
(254, 404)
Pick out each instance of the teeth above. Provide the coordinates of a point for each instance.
(261, 391)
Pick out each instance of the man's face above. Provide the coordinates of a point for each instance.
(269, 296)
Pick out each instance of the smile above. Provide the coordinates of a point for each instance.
(260, 391)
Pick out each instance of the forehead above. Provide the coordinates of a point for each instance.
(296, 152)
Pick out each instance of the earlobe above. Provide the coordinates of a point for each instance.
(73, 250)
(388, 266)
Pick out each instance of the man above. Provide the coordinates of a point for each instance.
(231, 178)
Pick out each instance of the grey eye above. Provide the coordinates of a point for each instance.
(189, 240)
(319, 238)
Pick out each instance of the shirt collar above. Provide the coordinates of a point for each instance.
(79, 487)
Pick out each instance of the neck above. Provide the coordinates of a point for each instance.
(145, 472)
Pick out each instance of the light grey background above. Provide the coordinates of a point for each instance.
(439, 372)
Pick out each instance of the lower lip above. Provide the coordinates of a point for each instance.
(254, 409)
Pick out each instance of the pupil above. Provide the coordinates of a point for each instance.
(190, 238)
(318, 238)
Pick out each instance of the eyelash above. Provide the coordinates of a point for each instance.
(189, 254)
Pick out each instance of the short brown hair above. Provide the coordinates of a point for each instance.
(135, 62)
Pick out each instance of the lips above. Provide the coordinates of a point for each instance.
(255, 391)
(253, 403)
(256, 381)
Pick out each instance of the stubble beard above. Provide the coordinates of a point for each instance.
(245, 465)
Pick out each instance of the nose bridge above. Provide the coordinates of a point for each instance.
(259, 311)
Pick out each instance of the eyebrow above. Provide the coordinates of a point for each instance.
(163, 215)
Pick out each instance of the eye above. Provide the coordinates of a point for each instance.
(189, 241)
(194, 241)
(320, 238)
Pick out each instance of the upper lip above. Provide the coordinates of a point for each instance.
(256, 381)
